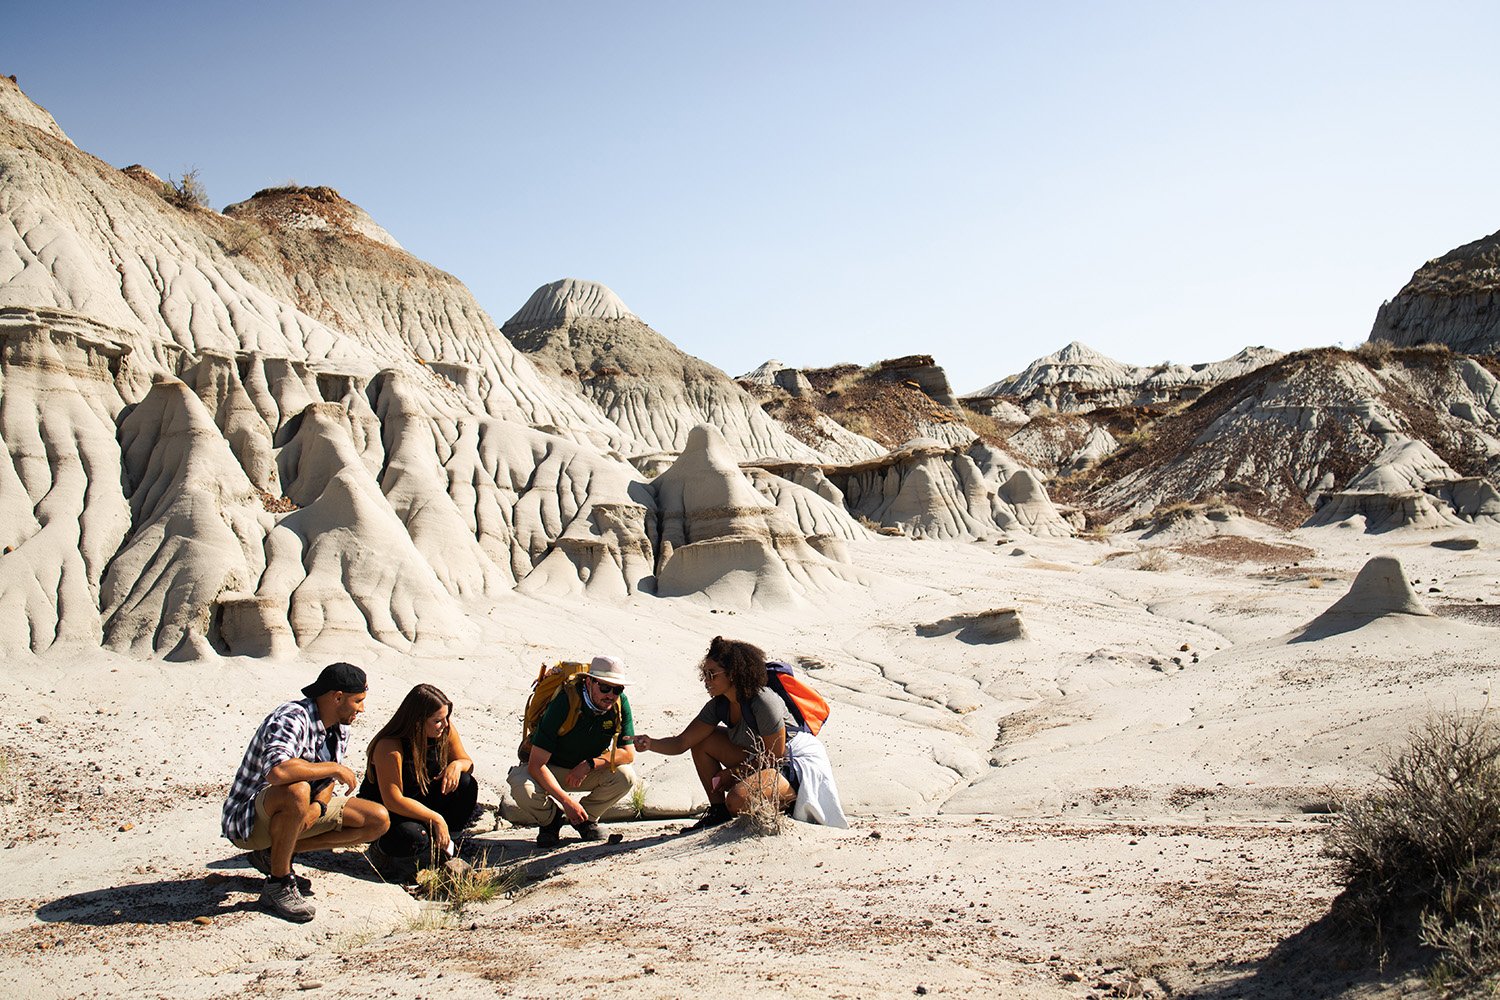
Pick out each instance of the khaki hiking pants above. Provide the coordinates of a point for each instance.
(600, 790)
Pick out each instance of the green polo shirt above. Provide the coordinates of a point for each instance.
(590, 736)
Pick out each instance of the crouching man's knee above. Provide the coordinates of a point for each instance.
(611, 786)
(370, 819)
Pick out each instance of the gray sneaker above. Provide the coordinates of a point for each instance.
(281, 897)
(261, 862)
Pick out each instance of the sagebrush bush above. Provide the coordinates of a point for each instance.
(187, 191)
(1423, 848)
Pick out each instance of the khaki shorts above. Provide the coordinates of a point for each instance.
(260, 834)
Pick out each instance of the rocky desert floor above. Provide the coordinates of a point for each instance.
(1126, 800)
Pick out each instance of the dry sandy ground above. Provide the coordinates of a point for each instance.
(1092, 809)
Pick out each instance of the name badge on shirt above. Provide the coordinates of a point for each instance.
(609, 724)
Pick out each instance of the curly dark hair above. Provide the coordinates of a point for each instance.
(742, 663)
(409, 727)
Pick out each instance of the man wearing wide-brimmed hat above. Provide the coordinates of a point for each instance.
(586, 755)
(282, 798)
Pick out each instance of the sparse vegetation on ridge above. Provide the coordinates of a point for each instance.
(187, 191)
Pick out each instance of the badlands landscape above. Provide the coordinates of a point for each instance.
(1106, 646)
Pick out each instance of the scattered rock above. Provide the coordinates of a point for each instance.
(205, 921)
(126, 826)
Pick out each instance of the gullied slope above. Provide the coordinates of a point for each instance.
(931, 490)
(63, 513)
(76, 235)
(1453, 300)
(274, 431)
(1280, 441)
(721, 538)
(1078, 379)
(639, 380)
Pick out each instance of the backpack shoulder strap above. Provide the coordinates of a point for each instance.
(575, 705)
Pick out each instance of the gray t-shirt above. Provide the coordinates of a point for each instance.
(761, 716)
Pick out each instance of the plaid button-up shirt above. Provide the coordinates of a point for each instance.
(293, 730)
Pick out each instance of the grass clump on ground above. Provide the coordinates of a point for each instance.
(1419, 856)
(459, 884)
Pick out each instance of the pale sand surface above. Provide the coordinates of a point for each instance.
(1089, 809)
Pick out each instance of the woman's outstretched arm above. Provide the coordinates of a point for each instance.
(695, 733)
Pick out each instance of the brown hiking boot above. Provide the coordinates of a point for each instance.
(549, 833)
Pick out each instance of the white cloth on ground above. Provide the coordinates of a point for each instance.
(817, 796)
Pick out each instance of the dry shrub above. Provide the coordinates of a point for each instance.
(1315, 582)
(763, 814)
(186, 191)
(1152, 561)
(1424, 846)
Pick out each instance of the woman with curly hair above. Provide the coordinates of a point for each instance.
(745, 745)
(419, 770)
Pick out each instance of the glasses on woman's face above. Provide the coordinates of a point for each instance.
(609, 688)
(709, 675)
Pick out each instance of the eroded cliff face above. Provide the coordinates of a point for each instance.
(582, 331)
(1313, 428)
(1453, 300)
(273, 431)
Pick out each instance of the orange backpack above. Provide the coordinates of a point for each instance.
(807, 707)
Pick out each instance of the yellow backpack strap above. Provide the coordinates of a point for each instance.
(575, 705)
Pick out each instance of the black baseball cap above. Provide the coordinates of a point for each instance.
(337, 677)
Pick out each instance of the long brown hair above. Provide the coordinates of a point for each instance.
(409, 727)
(742, 663)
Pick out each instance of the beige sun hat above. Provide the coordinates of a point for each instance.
(609, 669)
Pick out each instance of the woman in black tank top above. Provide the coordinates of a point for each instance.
(419, 770)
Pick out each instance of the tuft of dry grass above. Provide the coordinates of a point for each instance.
(638, 799)
(1315, 583)
(459, 884)
(1153, 561)
(10, 779)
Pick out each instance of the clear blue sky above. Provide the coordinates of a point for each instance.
(827, 182)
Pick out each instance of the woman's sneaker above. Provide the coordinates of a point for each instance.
(717, 813)
(281, 897)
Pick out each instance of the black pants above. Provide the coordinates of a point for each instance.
(410, 838)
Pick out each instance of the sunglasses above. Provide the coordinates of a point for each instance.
(609, 688)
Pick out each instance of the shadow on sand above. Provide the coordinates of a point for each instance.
(231, 886)
(1322, 961)
(543, 863)
(170, 901)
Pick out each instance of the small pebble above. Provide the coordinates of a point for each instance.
(205, 921)
(309, 984)
(126, 826)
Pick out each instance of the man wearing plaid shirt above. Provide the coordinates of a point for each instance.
(282, 798)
